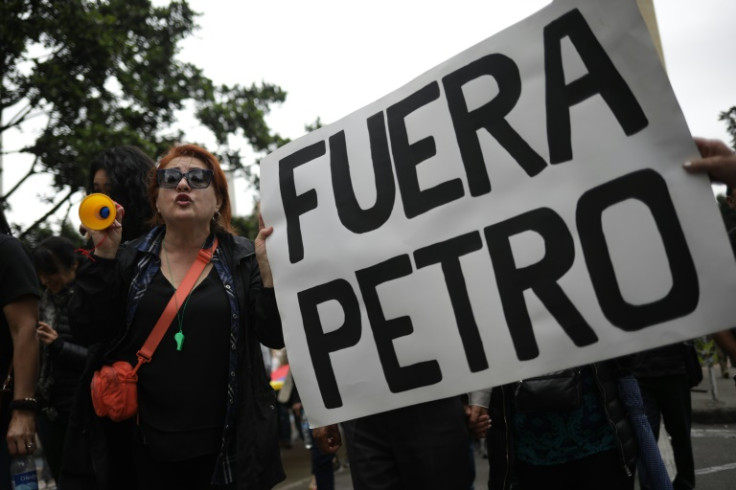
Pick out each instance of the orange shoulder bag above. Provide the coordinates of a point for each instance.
(115, 387)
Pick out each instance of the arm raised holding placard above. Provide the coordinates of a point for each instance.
(719, 161)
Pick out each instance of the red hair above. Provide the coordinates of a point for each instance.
(219, 181)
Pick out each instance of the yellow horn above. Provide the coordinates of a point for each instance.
(97, 211)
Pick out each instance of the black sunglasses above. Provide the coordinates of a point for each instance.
(197, 178)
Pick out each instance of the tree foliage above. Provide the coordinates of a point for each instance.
(104, 73)
(728, 214)
(729, 117)
(246, 226)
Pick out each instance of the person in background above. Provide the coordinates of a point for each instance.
(62, 358)
(122, 173)
(323, 463)
(419, 446)
(573, 434)
(726, 340)
(286, 400)
(666, 375)
(478, 425)
(206, 412)
(19, 293)
(718, 160)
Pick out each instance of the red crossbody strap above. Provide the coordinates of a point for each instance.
(162, 325)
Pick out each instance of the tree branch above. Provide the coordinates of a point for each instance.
(28, 174)
(50, 212)
(18, 118)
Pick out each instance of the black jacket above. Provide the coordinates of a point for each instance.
(662, 361)
(500, 442)
(101, 294)
(62, 361)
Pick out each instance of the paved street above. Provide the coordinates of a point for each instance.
(715, 456)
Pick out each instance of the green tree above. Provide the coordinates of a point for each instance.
(104, 73)
(36, 235)
(728, 214)
(729, 117)
(246, 226)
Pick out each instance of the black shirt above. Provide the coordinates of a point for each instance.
(182, 394)
(17, 279)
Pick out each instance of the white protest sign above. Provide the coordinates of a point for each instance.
(518, 209)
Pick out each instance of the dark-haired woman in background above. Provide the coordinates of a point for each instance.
(123, 172)
(62, 359)
(19, 301)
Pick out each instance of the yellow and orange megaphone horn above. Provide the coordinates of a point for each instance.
(97, 211)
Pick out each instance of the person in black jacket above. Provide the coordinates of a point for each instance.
(62, 358)
(19, 293)
(553, 440)
(206, 412)
(665, 376)
(719, 162)
(426, 445)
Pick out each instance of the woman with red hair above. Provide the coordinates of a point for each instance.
(206, 413)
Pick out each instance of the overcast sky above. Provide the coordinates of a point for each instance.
(334, 57)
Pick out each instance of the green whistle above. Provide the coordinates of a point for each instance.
(179, 337)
